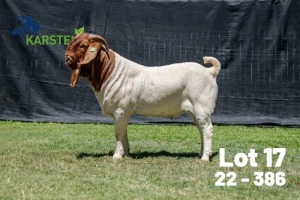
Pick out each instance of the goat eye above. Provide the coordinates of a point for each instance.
(83, 46)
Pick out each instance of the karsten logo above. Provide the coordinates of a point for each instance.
(24, 26)
(27, 29)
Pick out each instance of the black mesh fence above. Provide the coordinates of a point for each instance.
(257, 43)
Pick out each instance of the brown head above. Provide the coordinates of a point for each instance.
(88, 55)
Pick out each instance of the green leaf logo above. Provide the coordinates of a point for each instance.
(79, 31)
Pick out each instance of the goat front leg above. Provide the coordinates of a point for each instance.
(121, 123)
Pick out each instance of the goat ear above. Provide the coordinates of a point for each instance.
(75, 77)
(91, 52)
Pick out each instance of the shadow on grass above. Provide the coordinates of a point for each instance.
(93, 155)
(142, 155)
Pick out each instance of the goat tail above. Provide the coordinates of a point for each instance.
(216, 65)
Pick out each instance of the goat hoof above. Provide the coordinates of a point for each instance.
(205, 158)
(117, 156)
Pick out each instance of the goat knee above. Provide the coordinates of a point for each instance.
(208, 132)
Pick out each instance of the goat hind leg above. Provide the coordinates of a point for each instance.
(205, 128)
(207, 132)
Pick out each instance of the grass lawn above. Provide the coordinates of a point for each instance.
(74, 161)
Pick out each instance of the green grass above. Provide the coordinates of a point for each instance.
(73, 161)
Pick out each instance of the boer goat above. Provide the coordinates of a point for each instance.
(123, 88)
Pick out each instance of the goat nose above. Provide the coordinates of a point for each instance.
(69, 59)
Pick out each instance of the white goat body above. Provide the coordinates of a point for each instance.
(165, 91)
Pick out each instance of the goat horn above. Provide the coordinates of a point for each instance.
(99, 39)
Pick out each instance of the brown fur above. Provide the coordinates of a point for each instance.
(99, 70)
(88, 56)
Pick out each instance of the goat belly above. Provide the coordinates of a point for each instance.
(166, 106)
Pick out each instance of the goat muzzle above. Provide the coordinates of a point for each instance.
(69, 60)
